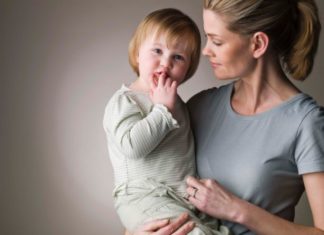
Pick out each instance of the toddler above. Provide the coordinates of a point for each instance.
(150, 142)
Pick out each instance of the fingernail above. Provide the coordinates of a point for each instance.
(166, 221)
(192, 224)
(185, 215)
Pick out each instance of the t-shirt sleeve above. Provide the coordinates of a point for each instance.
(134, 133)
(309, 152)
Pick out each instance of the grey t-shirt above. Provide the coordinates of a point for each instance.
(259, 158)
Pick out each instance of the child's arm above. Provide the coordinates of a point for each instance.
(135, 134)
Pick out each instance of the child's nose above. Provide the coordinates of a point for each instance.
(166, 62)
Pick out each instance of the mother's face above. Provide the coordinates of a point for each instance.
(230, 54)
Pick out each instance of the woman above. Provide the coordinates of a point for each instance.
(260, 137)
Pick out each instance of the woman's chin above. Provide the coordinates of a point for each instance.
(221, 77)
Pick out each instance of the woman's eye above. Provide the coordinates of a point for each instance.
(217, 43)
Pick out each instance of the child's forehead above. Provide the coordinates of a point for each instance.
(171, 40)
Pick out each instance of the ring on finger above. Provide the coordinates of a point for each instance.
(195, 192)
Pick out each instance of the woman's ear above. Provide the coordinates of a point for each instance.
(137, 56)
(260, 43)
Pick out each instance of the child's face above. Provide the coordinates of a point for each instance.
(156, 57)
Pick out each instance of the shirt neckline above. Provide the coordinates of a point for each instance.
(275, 109)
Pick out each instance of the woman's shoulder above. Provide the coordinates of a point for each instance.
(309, 116)
(307, 107)
(208, 95)
(204, 94)
(313, 113)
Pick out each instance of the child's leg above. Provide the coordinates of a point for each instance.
(213, 224)
(142, 204)
(205, 225)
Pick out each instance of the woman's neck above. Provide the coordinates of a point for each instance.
(266, 88)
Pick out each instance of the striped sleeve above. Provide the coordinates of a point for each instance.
(135, 134)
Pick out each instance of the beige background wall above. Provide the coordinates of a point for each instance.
(60, 61)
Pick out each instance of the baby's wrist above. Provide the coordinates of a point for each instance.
(170, 108)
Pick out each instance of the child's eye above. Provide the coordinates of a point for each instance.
(157, 50)
(179, 57)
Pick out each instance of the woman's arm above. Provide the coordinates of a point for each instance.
(314, 185)
(214, 200)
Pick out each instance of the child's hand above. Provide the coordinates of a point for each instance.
(164, 91)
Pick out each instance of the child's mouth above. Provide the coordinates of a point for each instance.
(161, 73)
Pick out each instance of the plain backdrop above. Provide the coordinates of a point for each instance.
(60, 61)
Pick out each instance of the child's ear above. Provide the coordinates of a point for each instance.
(260, 43)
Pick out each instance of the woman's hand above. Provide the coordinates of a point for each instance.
(179, 226)
(210, 197)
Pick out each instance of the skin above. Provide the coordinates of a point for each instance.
(262, 84)
(161, 67)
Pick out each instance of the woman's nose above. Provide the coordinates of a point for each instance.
(205, 51)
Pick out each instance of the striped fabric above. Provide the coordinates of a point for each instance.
(146, 142)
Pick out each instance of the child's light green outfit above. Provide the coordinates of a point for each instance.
(152, 154)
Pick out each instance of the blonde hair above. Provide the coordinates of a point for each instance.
(176, 26)
(293, 27)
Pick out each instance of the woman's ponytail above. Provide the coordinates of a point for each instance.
(300, 59)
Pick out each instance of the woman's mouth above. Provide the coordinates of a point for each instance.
(215, 65)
